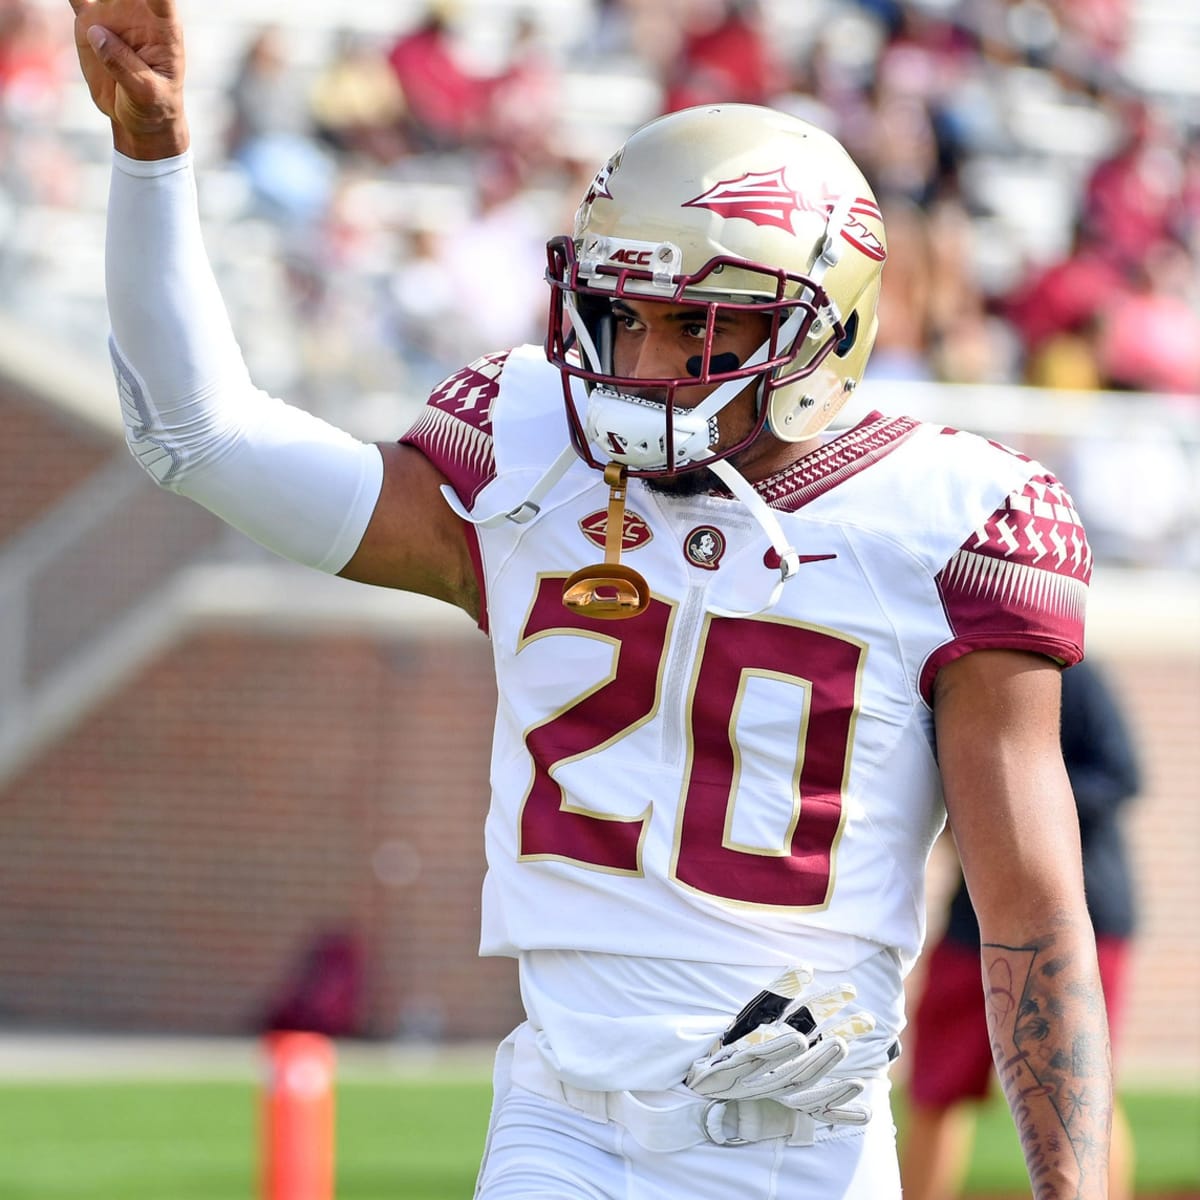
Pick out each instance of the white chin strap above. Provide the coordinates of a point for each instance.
(789, 558)
(529, 507)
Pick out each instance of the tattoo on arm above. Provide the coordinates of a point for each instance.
(1047, 1026)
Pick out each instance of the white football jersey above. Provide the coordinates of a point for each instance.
(730, 795)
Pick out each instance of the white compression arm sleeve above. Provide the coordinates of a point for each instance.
(193, 418)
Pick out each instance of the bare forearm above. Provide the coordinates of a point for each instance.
(1049, 1036)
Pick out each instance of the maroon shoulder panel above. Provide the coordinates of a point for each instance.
(454, 430)
(1019, 581)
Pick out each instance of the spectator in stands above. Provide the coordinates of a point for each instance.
(270, 134)
(902, 344)
(524, 99)
(1091, 321)
(447, 103)
(1054, 309)
(901, 152)
(951, 1058)
(936, 323)
(926, 53)
(725, 56)
(611, 32)
(1133, 198)
(507, 231)
(1100, 28)
(426, 321)
(35, 165)
(265, 96)
(934, 58)
(1149, 334)
(31, 77)
(358, 105)
(969, 342)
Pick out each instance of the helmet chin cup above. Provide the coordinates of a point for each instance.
(607, 591)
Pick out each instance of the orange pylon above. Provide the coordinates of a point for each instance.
(298, 1130)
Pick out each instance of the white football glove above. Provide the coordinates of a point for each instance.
(782, 1046)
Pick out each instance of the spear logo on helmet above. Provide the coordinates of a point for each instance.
(765, 198)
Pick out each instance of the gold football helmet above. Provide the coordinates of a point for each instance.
(723, 206)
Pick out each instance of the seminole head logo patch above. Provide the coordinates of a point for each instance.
(705, 547)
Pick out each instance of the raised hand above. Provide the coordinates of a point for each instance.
(131, 53)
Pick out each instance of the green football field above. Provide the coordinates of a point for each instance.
(396, 1140)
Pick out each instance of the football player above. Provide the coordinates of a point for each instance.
(746, 664)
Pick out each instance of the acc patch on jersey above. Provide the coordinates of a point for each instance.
(634, 530)
(705, 547)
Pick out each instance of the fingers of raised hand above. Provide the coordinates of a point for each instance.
(130, 71)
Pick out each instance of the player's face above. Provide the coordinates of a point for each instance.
(653, 340)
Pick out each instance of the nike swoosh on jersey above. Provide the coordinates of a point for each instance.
(771, 558)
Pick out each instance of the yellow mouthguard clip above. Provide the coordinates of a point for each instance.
(609, 590)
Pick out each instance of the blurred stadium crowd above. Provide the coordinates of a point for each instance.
(380, 178)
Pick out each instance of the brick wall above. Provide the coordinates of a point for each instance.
(1162, 694)
(169, 862)
(44, 455)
